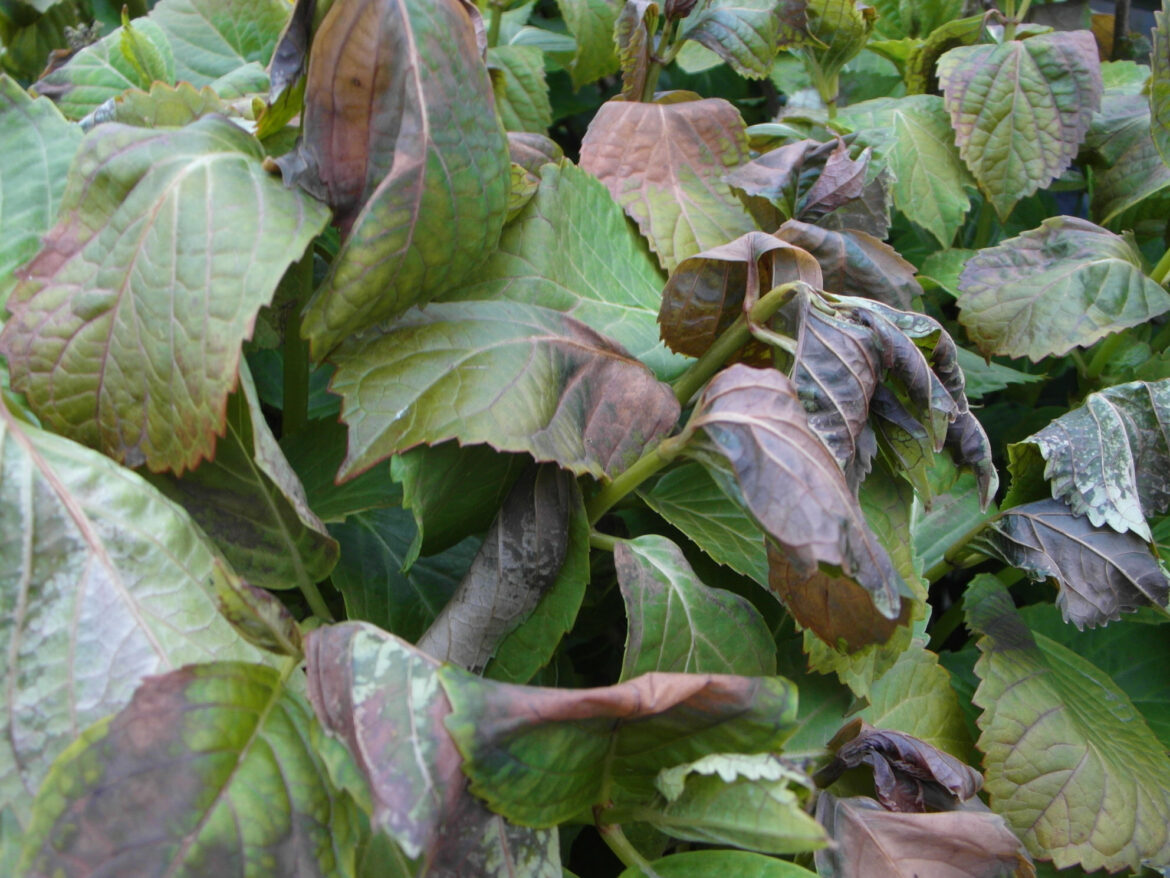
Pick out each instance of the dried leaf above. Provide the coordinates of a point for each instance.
(664, 164)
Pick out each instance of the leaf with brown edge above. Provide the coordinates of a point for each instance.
(708, 291)
(131, 285)
(401, 140)
(664, 164)
(518, 377)
(856, 264)
(1100, 573)
(908, 774)
(520, 559)
(751, 421)
(540, 756)
(872, 842)
(633, 34)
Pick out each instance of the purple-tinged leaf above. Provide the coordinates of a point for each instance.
(776, 176)
(841, 181)
(1100, 573)
(127, 326)
(517, 377)
(633, 33)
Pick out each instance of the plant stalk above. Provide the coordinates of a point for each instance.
(316, 602)
(618, 843)
(605, 542)
(947, 562)
(495, 19)
(295, 415)
(1161, 269)
(644, 467)
(659, 58)
(1104, 354)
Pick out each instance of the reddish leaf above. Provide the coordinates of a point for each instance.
(777, 174)
(633, 34)
(841, 181)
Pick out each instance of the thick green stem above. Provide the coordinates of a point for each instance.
(732, 339)
(1104, 354)
(605, 542)
(644, 467)
(495, 19)
(659, 58)
(1161, 269)
(983, 227)
(948, 561)
(298, 282)
(317, 604)
(626, 852)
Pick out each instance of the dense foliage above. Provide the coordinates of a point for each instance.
(766, 474)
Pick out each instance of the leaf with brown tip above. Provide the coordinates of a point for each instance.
(664, 164)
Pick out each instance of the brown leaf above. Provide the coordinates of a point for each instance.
(908, 774)
(708, 291)
(776, 175)
(856, 264)
(753, 421)
(841, 181)
(519, 559)
(870, 213)
(874, 843)
(664, 164)
(292, 50)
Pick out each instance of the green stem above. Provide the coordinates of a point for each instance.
(598, 540)
(295, 415)
(1104, 355)
(626, 852)
(732, 339)
(984, 227)
(947, 562)
(644, 467)
(1161, 269)
(495, 19)
(659, 58)
(317, 604)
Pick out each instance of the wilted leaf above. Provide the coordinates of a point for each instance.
(856, 264)
(414, 166)
(103, 581)
(633, 33)
(664, 164)
(692, 501)
(518, 377)
(1109, 459)
(1132, 168)
(908, 774)
(213, 38)
(751, 421)
(1020, 109)
(676, 623)
(192, 762)
(591, 24)
(1066, 284)
(38, 146)
(542, 756)
(251, 503)
(520, 559)
(1100, 573)
(520, 88)
(572, 250)
(131, 286)
(874, 843)
(747, 33)
(1160, 86)
(777, 175)
(840, 181)
(1063, 746)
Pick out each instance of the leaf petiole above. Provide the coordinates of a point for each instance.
(298, 284)
(644, 467)
(618, 843)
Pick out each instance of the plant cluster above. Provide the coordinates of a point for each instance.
(385, 493)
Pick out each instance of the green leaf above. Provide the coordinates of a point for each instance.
(1160, 85)
(416, 172)
(984, 378)
(910, 18)
(572, 250)
(920, 72)
(541, 756)
(212, 38)
(591, 23)
(192, 762)
(518, 377)
(1110, 458)
(251, 503)
(1064, 285)
(1063, 745)
(102, 582)
(839, 30)
(633, 33)
(37, 145)
(664, 164)
(134, 284)
(951, 517)
(152, 61)
(1131, 169)
(520, 88)
(676, 623)
(1020, 109)
(747, 33)
(164, 106)
(725, 863)
(453, 490)
(692, 501)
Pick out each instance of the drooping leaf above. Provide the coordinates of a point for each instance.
(192, 762)
(664, 164)
(260, 617)
(840, 181)
(520, 378)
(747, 33)
(872, 842)
(751, 421)
(1100, 573)
(1063, 746)
(1020, 109)
(520, 88)
(634, 31)
(572, 250)
(692, 501)
(131, 286)
(676, 623)
(777, 175)
(591, 24)
(251, 503)
(1066, 284)
(102, 582)
(38, 145)
(414, 166)
(725, 863)
(1160, 86)
(1110, 459)
(856, 264)
(518, 562)
(1133, 170)
(512, 737)
(213, 38)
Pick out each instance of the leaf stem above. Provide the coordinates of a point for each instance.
(495, 19)
(983, 227)
(613, 836)
(732, 339)
(1161, 269)
(1104, 355)
(644, 467)
(316, 602)
(605, 542)
(948, 561)
(295, 414)
(662, 55)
